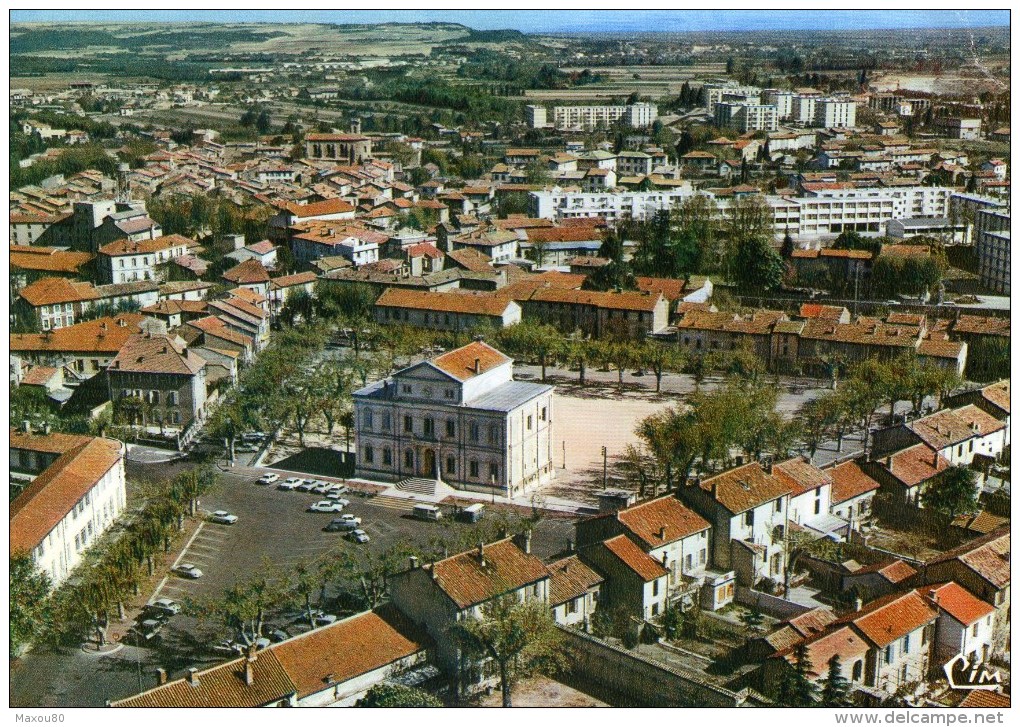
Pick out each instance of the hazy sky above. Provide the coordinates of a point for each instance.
(560, 20)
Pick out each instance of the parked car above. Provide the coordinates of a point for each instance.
(339, 525)
(326, 506)
(359, 536)
(321, 488)
(223, 518)
(290, 483)
(333, 497)
(225, 647)
(278, 635)
(306, 486)
(319, 618)
(268, 478)
(188, 570)
(164, 605)
(253, 436)
(147, 630)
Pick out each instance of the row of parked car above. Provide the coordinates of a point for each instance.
(334, 502)
(152, 619)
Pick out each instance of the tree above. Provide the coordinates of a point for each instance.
(952, 491)
(795, 687)
(752, 618)
(835, 687)
(397, 695)
(660, 358)
(519, 636)
(29, 608)
(243, 607)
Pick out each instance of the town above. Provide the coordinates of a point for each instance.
(418, 365)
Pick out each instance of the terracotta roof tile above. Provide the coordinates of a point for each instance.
(952, 426)
(644, 565)
(744, 488)
(127, 247)
(843, 642)
(48, 291)
(248, 272)
(987, 556)
(101, 335)
(915, 465)
(47, 259)
(82, 462)
(218, 329)
(671, 288)
(347, 649)
(506, 568)
(998, 394)
(424, 249)
(983, 522)
(958, 602)
(460, 363)
(443, 302)
(159, 354)
(986, 699)
(982, 325)
(662, 520)
(890, 618)
(849, 481)
(38, 375)
(894, 571)
(222, 686)
(801, 475)
(813, 621)
(287, 281)
(570, 578)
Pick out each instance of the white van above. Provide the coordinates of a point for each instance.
(427, 512)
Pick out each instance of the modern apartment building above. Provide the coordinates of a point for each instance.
(992, 243)
(745, 116)
(581, 118)
(536, 116)
(835, 113)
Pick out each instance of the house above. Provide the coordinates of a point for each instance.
(636, 583)
(250, 274)
(424, 258)
(157, 379)
(436, 596)
(626, 314)
(851, 493)
(905, 474)
(672, 535)
(213, 332)
(877, 579)
(283, 287)
(748, 509)
(843, 642)
(81, 350)
(72, 491)
(573, 591)
(964, 625)
(498, 245)
(264, 251)
(899, 628)
(458, 417)
(452, 311)
(290, 214)
(993, 399)
(982, 567)
(956, 434)
(49, 261)
(558, 245)
(243, 317)
(126, 261)
(810, 497)
(357, 244)
(52, 303)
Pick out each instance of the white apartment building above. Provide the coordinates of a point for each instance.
(992, 243)
(558, 205)
(835, 113)
(714, 93)
(536, 116)
(459, 418)
(125, 261)
(581, 118)
(745, 117)
(782, 100)
(75, 492)
(803, 109)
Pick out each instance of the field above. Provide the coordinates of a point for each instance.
(651, 81)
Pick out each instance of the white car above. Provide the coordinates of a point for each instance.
(348, 518)
(164, 606)
(321, 488)
(268, 478)
(223, 518)
(188, 570)
(290, 483)
(326, 506)
(359, 536)
(335, 497)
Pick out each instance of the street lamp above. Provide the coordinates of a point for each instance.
(605, 457)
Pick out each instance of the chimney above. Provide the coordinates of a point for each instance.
(523, 541)
(662, 533)
(160, 677)
(250, 670)
(888, 463)
(193, 676)
(481, 554)
(570, 545)
(26, 426)
(478, 365)
(46, 428)
(935, 459)
(413, 561)
(858, 603)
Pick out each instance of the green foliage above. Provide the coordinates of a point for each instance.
(29, 608)
(752, 618)
(520, 636)
(952, 491)
(351, 301)
(988, 359)
(71, 161)
(397, 695)
(835, 687)
(795, 687)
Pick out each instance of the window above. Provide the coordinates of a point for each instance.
(689, 562)
(572, 606)
(749, 518)
(409, 459)
(906, 644)
(386, 421)
(974, 630)
(369, 454)
(451, 428)
(818, 506)
(448, 393)
(408, 423)
(405, 388)
(971, 446)
(473, 468)
(493, 471)
(429, 427)
(888, 654)
(779, 505)
(703, 556)
(366, 419)
(542, 415)
(451, 464)
(529, 422)
(655, 607)
(858, 671)
(959, 451)
(655, 587)
(387, 456)
(493, 434)
(473, 432)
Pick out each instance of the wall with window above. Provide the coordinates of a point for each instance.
(905, 660)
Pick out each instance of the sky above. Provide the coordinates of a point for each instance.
(560, 21)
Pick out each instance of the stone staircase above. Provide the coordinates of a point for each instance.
(418, 486)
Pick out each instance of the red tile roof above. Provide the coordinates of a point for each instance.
(424, 249)
(958, 602)
(127, 247)
(671, 288)
(662, 520)
(47, 259)
(287, 281)
(48, 291)
(569, 579)
(998, 394)
(800, 475)
(460, 363)
(849, 481)
(105, 335)
(744, 488)
(894, 571)
(347, 649)
(817, 310)
(44, 503)
(915, 465)
(443, 302)
(986, 699)
(987, 556)
(38, 375)
(469, 582)
(248, 272)
(159, 354)
(890, 618)
(637, 560)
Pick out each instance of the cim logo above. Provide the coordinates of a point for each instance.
(970, 677)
